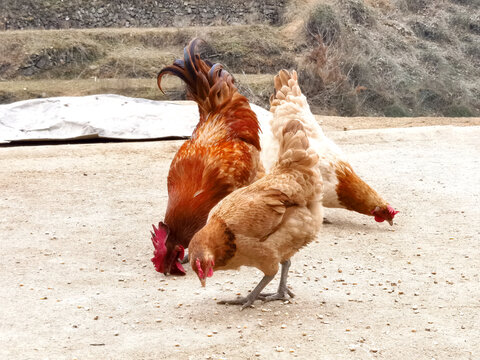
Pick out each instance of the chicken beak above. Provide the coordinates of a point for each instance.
(390, 222)
(203, 281)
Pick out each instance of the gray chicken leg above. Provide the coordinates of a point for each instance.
(282, 291)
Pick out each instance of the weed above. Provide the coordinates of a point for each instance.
(431, 32)
(466, 22)
(458, 111)
(323, 22)
(396, 110)
(474, 3)
(473, 50)
(415, 6)
(358, 12)
(431, 100)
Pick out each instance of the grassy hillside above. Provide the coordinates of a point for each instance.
(397, 58)
(371, 57)
(56, 62)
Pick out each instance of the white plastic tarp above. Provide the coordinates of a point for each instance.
(101, 116)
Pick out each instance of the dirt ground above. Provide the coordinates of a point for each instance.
(77, 281)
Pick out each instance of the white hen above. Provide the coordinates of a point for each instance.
(343, 188)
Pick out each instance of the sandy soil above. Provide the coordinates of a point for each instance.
(77, 281)
(332, 123)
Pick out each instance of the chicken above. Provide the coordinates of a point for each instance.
(343, 188)
(222, 155)
(266, 223)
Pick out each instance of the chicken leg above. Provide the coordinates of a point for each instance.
(250, 298)
(282, 291)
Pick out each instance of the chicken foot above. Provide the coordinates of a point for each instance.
(250, 298)
(282, 291)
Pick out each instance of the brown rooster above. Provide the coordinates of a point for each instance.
(266, 223)
(222, 155)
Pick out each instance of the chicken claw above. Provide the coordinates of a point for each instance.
(244, 301)
(282, 291)
(279, 295)
(250, 299)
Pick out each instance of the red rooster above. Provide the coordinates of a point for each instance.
(222, 155)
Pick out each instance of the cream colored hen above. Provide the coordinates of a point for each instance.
(343, 188)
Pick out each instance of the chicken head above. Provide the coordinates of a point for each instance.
(163, 262)
(384, 214)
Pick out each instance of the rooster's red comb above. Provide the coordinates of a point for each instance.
(159, 237)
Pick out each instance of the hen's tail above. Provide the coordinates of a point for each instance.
(297, 158)
(295, 151)
(214, 90)
(288, 103)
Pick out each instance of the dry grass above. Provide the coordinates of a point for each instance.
(413, 65)
(17, 90)
(126, 61)
(385, 57)
(113, 53)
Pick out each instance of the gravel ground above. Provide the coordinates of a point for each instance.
(78, 282)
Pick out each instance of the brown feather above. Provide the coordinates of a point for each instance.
(222, 154)
(354, 193)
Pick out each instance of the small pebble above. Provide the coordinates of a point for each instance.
(283, 326)
(279, 349)
(209, 334)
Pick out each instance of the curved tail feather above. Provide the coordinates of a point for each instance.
(213, 89)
